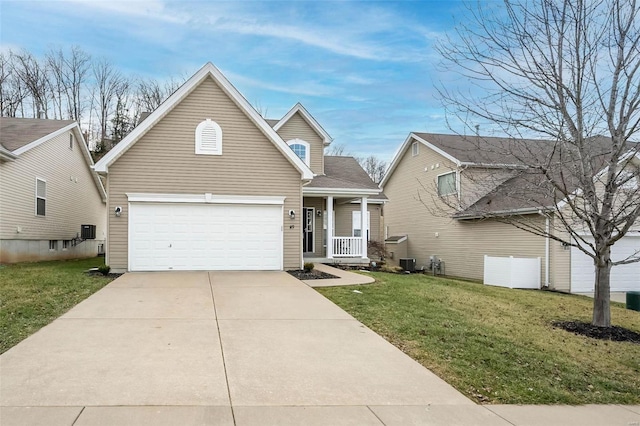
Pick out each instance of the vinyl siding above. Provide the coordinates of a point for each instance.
(164, 161)
(560, 261)
(460, 244)
(69, 203)
(297, 127)
(344, 219)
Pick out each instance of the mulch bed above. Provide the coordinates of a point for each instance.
(100, 274)
(615, 333)
(313, 275)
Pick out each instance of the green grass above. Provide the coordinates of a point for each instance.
(497, 345)
(34, 294)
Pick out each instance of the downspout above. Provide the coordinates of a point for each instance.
(546, 248)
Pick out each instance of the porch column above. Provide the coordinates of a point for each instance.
(330, 227)
(363, 225)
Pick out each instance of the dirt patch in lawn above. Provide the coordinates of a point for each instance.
(615, 333)
(311, 275)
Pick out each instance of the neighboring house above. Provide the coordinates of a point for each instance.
(48, 191)
(205, 183)
(430, 166)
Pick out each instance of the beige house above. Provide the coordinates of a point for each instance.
(52, 205)
(206, 183)
(431, 173)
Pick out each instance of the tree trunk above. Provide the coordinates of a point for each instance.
(601, 306)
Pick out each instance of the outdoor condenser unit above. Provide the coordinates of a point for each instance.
(408, 264)
(88, 232)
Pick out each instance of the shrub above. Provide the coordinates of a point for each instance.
(104, 269)
(308, 266)
(391, 269)
(377, 249)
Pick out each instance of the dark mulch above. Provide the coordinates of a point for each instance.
(313, 275)
(100, 274)
(615, 333)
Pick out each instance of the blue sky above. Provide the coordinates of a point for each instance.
(365, 70)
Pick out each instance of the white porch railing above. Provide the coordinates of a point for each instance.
(347, 246)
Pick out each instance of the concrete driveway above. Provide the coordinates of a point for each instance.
(220, 348)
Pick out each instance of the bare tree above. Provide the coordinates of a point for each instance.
(374, 167)
(151, 93)
(108, 82)
(33, 75)
(567, 71)
(12, 92)
(339, 149)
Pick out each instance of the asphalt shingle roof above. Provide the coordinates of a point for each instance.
(344, 172)
(18, 132)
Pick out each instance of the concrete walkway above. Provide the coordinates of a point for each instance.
(241, 348)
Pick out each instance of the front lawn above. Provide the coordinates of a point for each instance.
(34, 294)
(497, 345)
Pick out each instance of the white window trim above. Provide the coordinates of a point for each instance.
(44, 198)
(218, 130)
(415, 151)
(55, 245)
(456, 191)
(307, 153)
(66, 244)
(358, 222)
(71, 140)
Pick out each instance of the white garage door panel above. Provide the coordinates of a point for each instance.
(623, 277)
(182, 236)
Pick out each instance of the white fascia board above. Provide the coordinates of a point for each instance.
(87, 156)
(207, 70)
(206, 198)
(526, 210)
(43, 139)
(370, 201)
(340, 191)
(403, 147)
(7, 155)
(401, 240)
(308, 118)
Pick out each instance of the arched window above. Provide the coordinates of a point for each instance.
(301, 149)
(208, 138)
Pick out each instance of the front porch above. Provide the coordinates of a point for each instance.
(332, 229)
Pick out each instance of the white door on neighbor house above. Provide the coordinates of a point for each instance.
(356, 224)
(623, 277)
(181, 236)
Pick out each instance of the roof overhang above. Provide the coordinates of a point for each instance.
(6, 155)
(208, 70)
(340, 192)
(298, 108)
(503, 213)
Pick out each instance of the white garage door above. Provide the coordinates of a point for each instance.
(178, 236)
(623, 277)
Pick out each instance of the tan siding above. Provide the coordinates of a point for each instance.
(460, 244)
(560, 261)
(164, 161)
(69, 203)
(344, 218)
(297, 127)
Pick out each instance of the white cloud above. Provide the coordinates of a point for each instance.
(308, 88)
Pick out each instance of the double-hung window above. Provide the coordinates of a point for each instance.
(447, 184)
(41, 197)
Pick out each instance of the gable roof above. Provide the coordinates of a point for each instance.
(345, 173)
(298, 108)
(208, 70)
(19, 135)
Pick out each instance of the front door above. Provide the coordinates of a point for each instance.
(307, 230)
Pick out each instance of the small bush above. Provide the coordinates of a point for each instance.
(308, 266)
(104, 269)
(391, 269)
(377, 249)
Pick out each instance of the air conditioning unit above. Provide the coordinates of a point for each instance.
(408, 264)
(88, 232)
